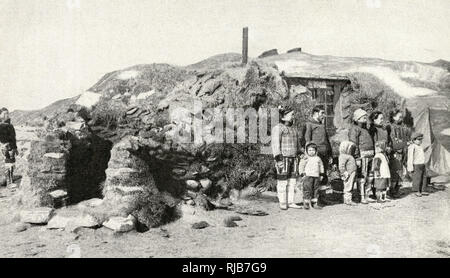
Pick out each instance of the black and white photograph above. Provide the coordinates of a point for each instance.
(224, 129)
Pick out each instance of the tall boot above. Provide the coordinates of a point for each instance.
(11, 174)
(384, 196)
(291, 183)
(299, 191)
(306, 204)
(368, 192)
(315, 203)
(348, 199)
(378, 194)
(281, 192)
(362, 191)
(8, 176)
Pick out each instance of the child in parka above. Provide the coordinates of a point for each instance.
(347, 168)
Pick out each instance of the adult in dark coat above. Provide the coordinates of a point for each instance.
(400, 136)
(8, 144)
(380, 130)
(315, 131)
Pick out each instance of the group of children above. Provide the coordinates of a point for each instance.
(380, 178)
(372, 159)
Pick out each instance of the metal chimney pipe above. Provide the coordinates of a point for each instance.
(245, 45)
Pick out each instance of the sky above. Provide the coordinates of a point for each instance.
(54, 49)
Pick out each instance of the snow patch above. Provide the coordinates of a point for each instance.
(291, 65)
(393, 80)
(88, 99)
(423, 72)
(446, 132)
(145, 95)
(129, 74)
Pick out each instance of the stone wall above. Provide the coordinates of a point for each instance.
(130, 188)
(44, 179)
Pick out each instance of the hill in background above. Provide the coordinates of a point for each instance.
(428, 82)
(407, 78)
(216, 62)
(25, 117)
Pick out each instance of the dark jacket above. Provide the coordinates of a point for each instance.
(382, 133)
(362, 138)
(317, 133)
(400, 136)
(8, 134)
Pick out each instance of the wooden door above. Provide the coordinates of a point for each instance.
(325, 97)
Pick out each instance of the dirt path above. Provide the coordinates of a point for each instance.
(409, 227)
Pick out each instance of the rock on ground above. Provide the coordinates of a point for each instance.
(58, 194)
(20, 227)
(58, 222)
(228, 222)
(121, 224)
(37, 215)
(200, 225)
(91, 203)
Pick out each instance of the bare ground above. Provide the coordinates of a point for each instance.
(408, 227)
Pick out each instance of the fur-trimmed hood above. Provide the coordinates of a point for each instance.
(346, 147)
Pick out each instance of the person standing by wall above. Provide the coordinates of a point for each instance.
(285, 149)
(380, 130)
(315, 131)
(365, 150)
(8, 144)
(400, 136)
(381, 133)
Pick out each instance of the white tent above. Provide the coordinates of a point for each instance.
(436, 155)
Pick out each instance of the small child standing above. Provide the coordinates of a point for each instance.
(312, 169)
(382, 174)
(347, 167)
(416, 164)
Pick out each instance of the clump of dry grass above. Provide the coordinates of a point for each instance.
(370, 93)
(109, 114)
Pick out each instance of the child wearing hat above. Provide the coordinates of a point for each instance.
(416, 164)
(382, 175)
(347, 168)
(365, 150)
(312, 169)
